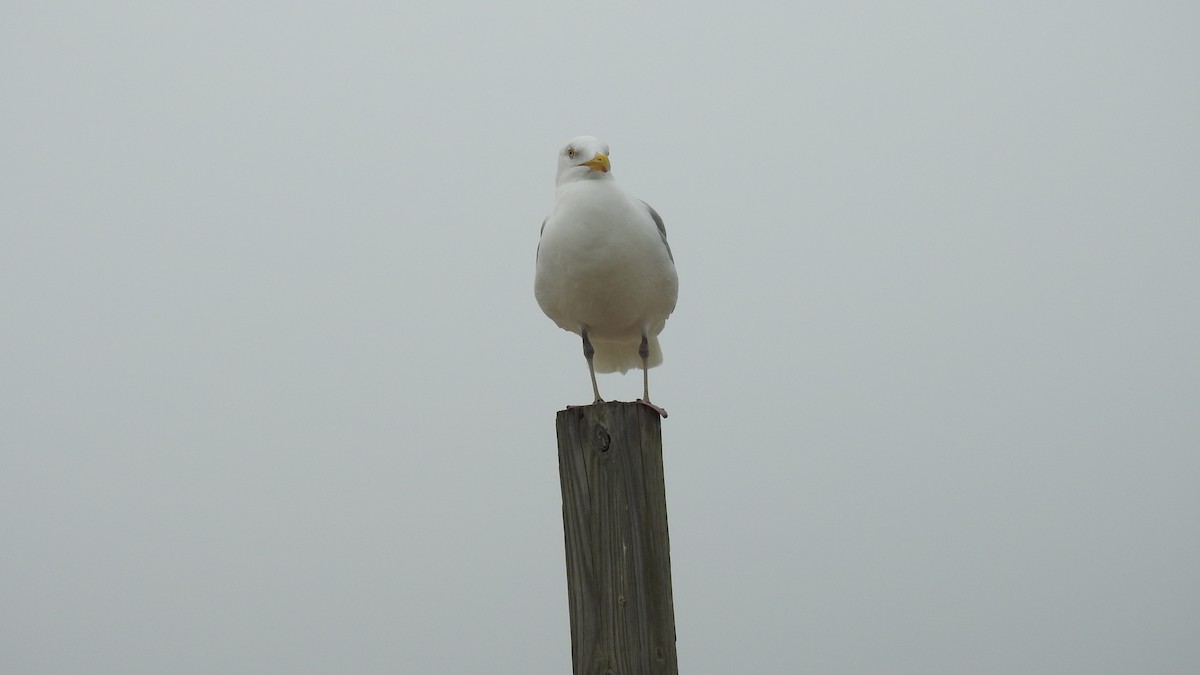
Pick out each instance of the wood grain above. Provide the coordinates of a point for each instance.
(617, 545)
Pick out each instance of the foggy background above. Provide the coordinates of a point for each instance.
(275, 395)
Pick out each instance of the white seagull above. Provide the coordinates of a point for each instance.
(604, 269)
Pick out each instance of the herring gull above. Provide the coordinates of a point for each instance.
(604, 269)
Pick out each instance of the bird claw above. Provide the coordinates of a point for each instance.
(585, 405)
(648, 404)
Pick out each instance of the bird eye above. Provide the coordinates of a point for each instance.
(571, 153)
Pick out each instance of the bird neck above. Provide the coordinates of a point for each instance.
(582, 175)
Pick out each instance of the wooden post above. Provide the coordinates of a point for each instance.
(618, 552)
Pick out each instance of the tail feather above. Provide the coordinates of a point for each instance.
(613, 357)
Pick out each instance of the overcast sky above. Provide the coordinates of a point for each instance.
(275, 395)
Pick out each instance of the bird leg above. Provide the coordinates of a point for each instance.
(588, 352)
(644, 352)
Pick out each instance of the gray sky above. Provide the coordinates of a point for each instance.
(275, 395)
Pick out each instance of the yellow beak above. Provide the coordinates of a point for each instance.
(599, 162)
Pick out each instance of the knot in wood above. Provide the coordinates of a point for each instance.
(600, 438)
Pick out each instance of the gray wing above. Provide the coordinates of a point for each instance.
(543, 231)
(662, 229)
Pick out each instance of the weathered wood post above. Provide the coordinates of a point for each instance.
(618, 552)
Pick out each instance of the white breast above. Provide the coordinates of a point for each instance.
(602, 264)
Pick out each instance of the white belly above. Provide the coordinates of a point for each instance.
(602, 265)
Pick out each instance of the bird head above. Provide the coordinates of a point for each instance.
(583, 157)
